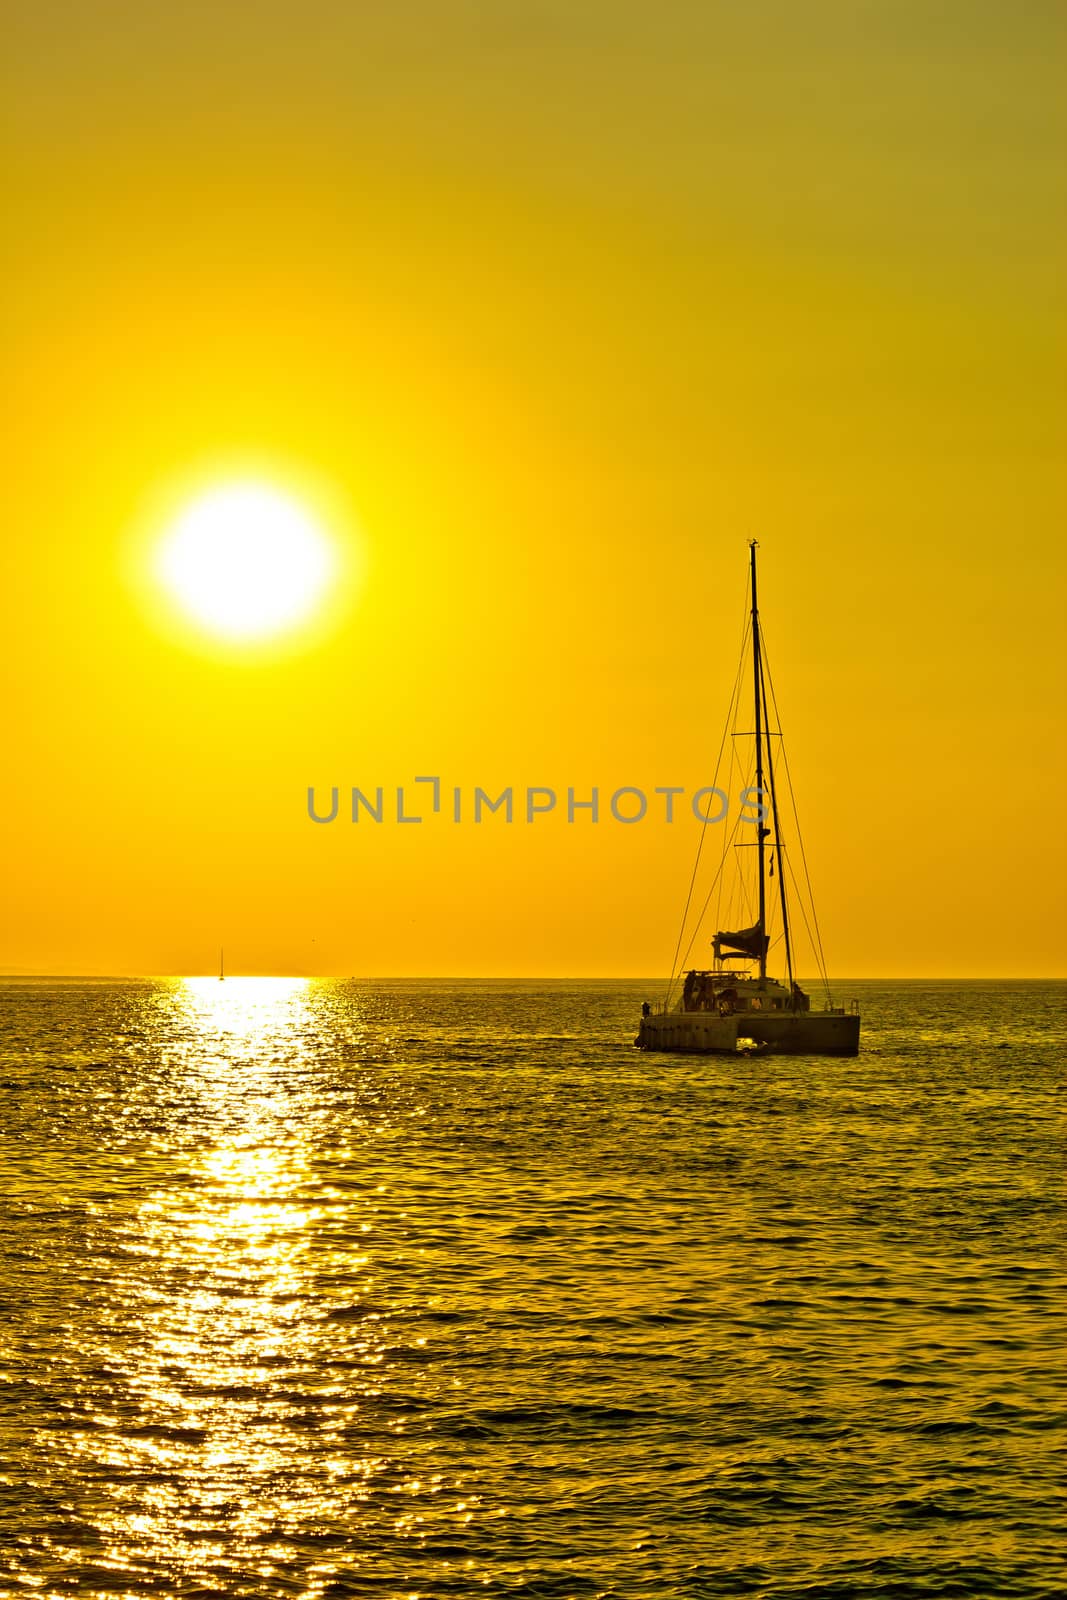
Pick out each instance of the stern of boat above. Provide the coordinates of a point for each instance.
(697, 1033)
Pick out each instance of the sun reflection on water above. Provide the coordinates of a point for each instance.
(227, 1317)
(245, 1007)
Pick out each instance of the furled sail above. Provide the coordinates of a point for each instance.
(749, 941)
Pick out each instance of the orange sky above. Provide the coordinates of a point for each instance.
(556, 306)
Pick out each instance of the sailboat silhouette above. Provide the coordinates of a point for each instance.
(725, 1003)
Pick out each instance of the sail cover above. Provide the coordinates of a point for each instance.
(750, 941)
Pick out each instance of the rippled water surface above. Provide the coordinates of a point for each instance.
(386, 1289)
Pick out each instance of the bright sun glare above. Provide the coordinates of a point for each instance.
(245, 562)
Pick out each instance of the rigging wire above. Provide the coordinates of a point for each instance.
(704, 907)
(776, 852)
(728, 838)
(807, 928)
(731, 714)
(817, 945)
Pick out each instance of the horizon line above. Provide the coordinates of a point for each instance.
(474, 977)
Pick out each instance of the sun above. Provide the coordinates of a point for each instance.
(246, 562)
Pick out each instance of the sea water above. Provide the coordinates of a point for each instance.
(443, 1289)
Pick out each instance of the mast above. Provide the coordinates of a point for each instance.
(761, 831)
(222, 969)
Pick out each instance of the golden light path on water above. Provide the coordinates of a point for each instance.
(234, 1332)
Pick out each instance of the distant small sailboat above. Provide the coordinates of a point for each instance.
(726, 1008)
(222, 965)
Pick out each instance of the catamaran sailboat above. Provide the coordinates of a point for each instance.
(735, 1003)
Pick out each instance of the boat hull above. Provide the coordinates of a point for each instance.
(691, 1033)
(803, 1033)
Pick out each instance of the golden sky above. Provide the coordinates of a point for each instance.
(555, 304)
